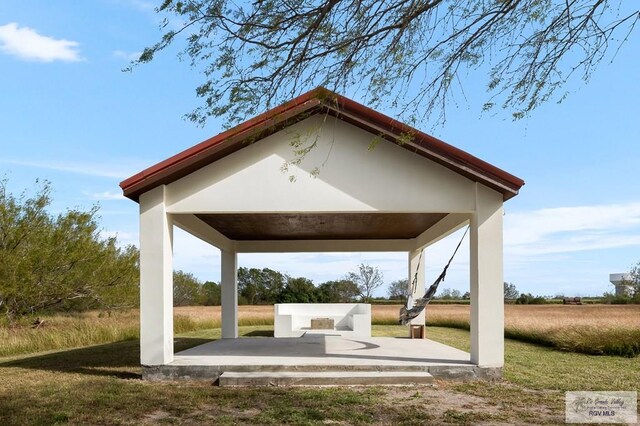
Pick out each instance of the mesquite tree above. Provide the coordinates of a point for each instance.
(58, 262)
(409, 54)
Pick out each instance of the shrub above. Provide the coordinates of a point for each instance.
(529, 299)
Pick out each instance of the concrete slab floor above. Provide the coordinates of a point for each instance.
(323, 351)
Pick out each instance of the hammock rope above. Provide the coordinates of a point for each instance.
(409, 312)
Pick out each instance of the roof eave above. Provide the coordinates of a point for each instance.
(303, 106)
(245, 133)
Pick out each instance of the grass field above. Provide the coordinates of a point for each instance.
(592, 329)
(93, 327)
(101, 385)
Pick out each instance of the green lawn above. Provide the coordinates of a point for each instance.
(101, 385)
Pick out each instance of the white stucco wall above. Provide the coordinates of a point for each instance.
(352, 177)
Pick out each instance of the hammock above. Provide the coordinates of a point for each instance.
(409, 312)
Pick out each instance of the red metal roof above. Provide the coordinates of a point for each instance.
(325, 101)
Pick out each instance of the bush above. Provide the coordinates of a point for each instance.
(59, 263)
(612, 299)
(529, 299)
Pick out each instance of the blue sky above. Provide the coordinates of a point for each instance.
(70, 115)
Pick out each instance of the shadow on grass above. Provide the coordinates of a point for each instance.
(119, 359)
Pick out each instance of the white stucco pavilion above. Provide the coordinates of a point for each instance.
(406, 193)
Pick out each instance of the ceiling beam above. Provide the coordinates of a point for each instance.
(199, 229)
(446, 226)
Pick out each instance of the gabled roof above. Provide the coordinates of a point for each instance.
(321, 100)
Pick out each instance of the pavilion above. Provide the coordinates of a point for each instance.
(369, 183)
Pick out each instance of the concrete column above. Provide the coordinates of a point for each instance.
(156, 279)
(487, 291)
(416, 264)
(229, 296)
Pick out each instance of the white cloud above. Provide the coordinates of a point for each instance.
(124, 238)
(117, 171)
(106, 196)
(129, 56)
(27, 44)
(572, 229)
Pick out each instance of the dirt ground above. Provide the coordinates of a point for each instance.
(440, 403)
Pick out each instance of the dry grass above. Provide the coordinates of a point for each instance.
(593, 329)
(247, 315)
(95, 327)
(68, 331)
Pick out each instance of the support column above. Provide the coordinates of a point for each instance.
(487, 291)
(415, 263)
(156, 279)
(229, 296)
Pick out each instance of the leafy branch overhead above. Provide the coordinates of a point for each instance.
(410, 55)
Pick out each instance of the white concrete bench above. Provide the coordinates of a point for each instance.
(350, 319)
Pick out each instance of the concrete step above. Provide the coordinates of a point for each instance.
(323, 378)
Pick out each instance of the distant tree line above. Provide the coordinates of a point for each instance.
(264, 287)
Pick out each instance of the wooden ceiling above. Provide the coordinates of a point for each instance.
(321, 226)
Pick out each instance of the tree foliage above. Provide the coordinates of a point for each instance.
(260, 286)
(299, 290)
(450, 294)
(59, 262)
(510, 291)
(266, 286)
(634, 273)
(342, 291)
(529, 299)
(211, 294)
(399, 290)
(187, 289)
(410, 54)
(367, 278)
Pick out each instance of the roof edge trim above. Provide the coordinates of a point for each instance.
(320, 99)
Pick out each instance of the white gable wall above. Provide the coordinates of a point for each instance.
(352, 178)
